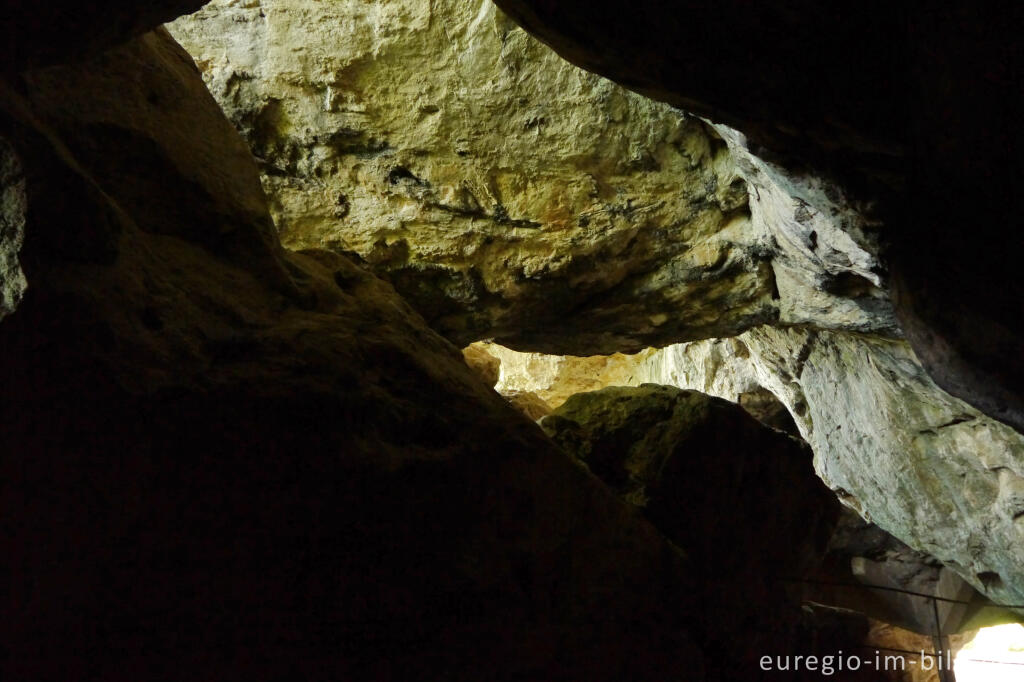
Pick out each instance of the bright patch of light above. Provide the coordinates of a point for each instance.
(996, 654)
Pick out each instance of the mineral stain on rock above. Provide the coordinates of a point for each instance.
(568, 206)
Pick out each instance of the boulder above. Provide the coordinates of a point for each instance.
(741, 499)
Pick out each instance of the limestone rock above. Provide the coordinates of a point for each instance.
(815, 231)
(923, 465)
(907, 124)
(911, 129)
(529, 403)
(223, 459)
(553, 378)
(826, 245)
(483, 363)
(695, 463)
(507, 194)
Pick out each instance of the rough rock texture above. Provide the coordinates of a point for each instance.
(483, 363)
(529, 403)
(695, 464)
(942, 87)
(923, 465)
(825, 245)
(12, 228)
(507, 194)
(409, 150)
(225, 460)
(414, 145)
(553, 378)
(925, 121)
(604, 223)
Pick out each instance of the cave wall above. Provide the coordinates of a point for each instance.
(427, 140)
(927, 467)
(205, 430)
(223, 459)
(932, 470)
(504, 192)
(913, 107)
(788, 220)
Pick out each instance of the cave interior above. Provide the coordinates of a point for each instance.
(511, 340)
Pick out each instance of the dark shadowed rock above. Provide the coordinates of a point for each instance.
(224, 460)
(48, 32)
(739, 498)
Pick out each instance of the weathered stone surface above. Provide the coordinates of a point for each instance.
(692, 462)
(222, 459)
(529, 403)
(916, 90)
(908, 123)
(696, 464)
(483, 363)
(553, 378)
(507, 194)
(923, 465)
(819, 237)
(825, 245)
(12, 229)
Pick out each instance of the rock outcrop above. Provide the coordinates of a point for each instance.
(430, 178)
(553, 378)
(695, 463)
(691, 462)
(923, 465)
(223, 459)
(923, 121)
(492, 208)
(505, 193)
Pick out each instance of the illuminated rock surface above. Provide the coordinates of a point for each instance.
(223, 458)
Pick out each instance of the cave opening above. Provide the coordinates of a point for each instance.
(995, 653)
(463, 340)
